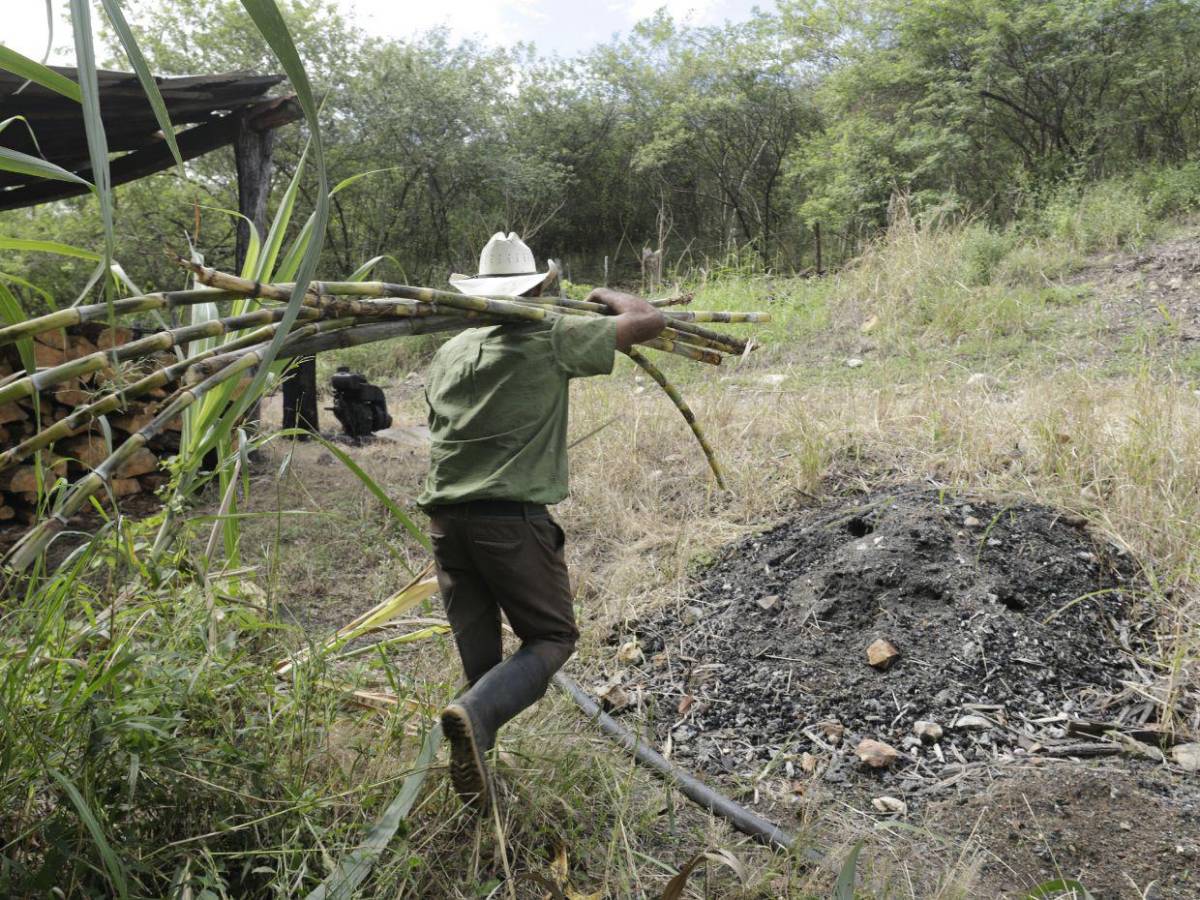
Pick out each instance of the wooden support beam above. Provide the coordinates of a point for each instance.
(300, 396)
(192, 143)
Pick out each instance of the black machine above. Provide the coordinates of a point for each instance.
(359, 405)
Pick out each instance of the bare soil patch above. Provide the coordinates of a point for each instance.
(1116, 829)
(1158, 286)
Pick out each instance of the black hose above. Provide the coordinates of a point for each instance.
(699, 793)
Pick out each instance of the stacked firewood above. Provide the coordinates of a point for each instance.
(84, 447)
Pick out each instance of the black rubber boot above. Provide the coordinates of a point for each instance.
(471, 722)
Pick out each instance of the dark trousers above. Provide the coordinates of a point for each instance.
(513, 562)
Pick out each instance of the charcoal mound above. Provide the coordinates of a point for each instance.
(1009, 622)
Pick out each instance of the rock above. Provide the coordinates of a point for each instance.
(854, 363)
(769, 602)
(613, 697)
(876, 754)
(771, 379)
(833, 731)
(868, 326)
(629, 652)
(972, 722)
(927, 731)
(692, 615)
(890, 805)
(982, 379)
(971, 522)
(1187, 756)
(881, 654)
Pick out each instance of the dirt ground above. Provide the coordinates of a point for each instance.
(1123, 829)
(1154, 289)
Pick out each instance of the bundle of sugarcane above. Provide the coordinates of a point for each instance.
(334, 315)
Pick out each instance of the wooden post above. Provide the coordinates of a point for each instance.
(300, 396)
(252, 154)
(253, 148)
(817, 236)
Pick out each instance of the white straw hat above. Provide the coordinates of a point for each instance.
(506, 266)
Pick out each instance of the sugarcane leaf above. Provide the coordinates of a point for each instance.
(290, 260)
(112, 864)
(23, 66)
(24, 164)
(12, 313)
(145, 76)
(89, 87)
(97, 274)
(371, 485)
(275, 32)
(255, 245)
(356, 865)
(676, 885)
(40, 246)
(30, 286)
(28, 128)
(844, 888)
(361, 273)
(279, 225)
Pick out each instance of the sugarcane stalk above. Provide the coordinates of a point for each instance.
(698, 315)
(152, 343)
(685, 337)
(712, 339)
(78, 315)
(734, 344)
(337, 334)
(508, 309)
(684, 410)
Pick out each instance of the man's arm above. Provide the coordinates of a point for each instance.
(637, 320)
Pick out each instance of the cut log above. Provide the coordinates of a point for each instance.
(6, 513)
(55, 339)
(90, 450)
(80, 346)
(142, 462)
(124, 487)
(134, 420)
(113, 337)
(10, 412)
(47, 357)
(70, 393)
(23, 479)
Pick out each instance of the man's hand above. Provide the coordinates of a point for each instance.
(637, 320)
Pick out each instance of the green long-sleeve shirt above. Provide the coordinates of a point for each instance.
(498, 401)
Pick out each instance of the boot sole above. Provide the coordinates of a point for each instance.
(467, 771)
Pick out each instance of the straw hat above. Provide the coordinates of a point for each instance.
(506, 266)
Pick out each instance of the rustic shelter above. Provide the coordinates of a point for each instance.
(211, 111)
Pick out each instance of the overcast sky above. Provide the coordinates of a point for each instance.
(566, 27)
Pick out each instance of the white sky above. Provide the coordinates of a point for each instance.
(567, 27)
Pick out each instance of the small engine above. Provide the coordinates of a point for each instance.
(359, 405)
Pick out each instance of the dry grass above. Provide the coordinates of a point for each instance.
(1044, 423)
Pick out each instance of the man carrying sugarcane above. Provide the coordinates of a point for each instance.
(497, 400)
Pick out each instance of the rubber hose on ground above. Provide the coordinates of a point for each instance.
(699, 793)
